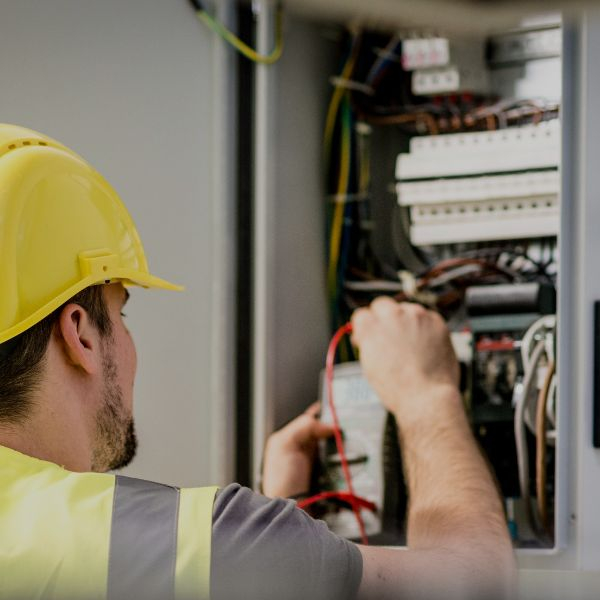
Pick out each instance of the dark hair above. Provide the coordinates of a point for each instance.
(22, 358)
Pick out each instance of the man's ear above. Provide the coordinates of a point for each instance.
(80, 338)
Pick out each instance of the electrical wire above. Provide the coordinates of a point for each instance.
(451, 263)
(522, 402)
(342, 189)
(546, 322)
(383, 60)
(452, 118)
(551, 407)
(374, 286)
(541, 446)
(338, 94)
(339, 110)
(241, 46)
(355, 502)
(335, 221)
(350, 497)
(329, 363)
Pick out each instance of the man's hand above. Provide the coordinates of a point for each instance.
(290, 453)
(405, 352)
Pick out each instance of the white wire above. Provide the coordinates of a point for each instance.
(374, 285)
(520, 431)
(546, 322)
(454, 273)
(551, 407)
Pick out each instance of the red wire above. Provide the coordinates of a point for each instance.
(342, 496)
(356, 502)
(339, 442)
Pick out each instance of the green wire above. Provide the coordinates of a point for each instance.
(243, 48)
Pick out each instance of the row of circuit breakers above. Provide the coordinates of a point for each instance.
(482, 186)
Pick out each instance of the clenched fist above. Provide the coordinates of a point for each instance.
(406, 355)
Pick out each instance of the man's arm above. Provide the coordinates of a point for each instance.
(458, 542)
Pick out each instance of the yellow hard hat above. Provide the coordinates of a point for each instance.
(62, 229)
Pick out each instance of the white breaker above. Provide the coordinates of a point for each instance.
(482, 186)
(442, 67)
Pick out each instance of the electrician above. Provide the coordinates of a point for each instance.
(68, 529)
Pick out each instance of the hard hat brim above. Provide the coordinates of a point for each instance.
(150, 281)
(125, 276)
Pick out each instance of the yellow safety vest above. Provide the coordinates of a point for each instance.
(66, 535)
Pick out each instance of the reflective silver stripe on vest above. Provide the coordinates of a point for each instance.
(143, 541)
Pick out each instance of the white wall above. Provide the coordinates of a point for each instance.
(139, 88)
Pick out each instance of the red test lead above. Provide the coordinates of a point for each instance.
(350, 497)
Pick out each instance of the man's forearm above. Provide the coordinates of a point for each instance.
(453, 499)
(458, 543)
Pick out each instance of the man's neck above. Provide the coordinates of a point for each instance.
(53, 432)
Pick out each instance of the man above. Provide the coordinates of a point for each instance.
(67, 367)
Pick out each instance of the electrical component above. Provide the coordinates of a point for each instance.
(452, 79)
(422, 53)
(515, 149)
(483, 221)
(513, 398)
(487, 187)
(481, 186)
(521, 46)
(461, 68)
(511, 298)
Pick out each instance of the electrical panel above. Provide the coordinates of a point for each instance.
(517, 47)
(473, 234)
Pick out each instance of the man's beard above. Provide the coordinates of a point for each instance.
(116, 441)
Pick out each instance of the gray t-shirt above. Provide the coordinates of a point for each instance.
(265, 549)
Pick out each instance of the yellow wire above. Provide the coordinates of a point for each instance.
(242, 47)
(337, 96)
(338, 216)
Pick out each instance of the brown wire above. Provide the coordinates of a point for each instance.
(540, 442)
(451, 263)
(431, 123)
(400, 119)
(469, 120)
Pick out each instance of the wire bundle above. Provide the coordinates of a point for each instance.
(537, 343)
(339, 110)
